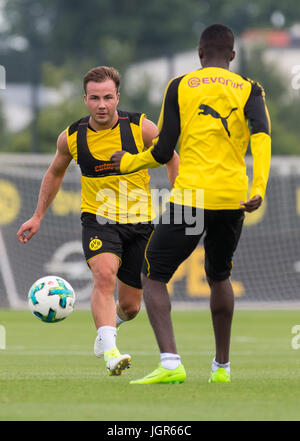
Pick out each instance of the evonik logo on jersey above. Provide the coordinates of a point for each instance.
(196, 81)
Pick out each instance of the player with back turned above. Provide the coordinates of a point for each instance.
(214, 113)
(114, 236)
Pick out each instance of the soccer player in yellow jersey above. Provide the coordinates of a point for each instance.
(214, 113)
(116, 209)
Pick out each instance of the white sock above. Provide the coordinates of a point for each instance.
(107, 335)
(215, 365)
(119, 321)
(170, 361)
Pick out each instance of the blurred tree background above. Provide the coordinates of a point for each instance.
(53, 44)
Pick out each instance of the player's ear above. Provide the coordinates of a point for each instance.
(232, 56)
(201, 55)
(85, 98)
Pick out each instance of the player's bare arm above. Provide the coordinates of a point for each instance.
(149, 131)
(49, 187)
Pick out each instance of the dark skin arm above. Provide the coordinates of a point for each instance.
(252, 204)
(116, 159)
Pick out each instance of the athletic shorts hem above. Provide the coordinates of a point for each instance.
(157, 278)
(105, 252)
(131, 284)
(218, 278)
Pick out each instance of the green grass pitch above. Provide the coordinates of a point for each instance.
(49, 371)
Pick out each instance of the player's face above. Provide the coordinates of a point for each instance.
(101, 100)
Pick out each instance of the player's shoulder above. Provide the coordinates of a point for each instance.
(171, 90)
(72, 128)
(62, 137)
(133, 117)
(62, 143)
(256, 87)
(175, 81)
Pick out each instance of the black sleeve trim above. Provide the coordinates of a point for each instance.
(170, 131)
(255, 111)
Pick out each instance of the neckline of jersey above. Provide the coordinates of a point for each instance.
(103, 130)
(215, 67)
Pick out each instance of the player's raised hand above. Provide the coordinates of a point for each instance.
(252, 204)
(116, 159)
(28, 229)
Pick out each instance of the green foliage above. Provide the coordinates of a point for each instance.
(65, 39)
(139, 101)
(79, 29)
(52, 121)
(240, 15)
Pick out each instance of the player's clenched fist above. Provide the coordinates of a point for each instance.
(252, 204)
(116, 159)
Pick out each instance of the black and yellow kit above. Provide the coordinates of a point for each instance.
(104, 192)
(213, 114)
(116, 209)
(126, 241)
(173, 242)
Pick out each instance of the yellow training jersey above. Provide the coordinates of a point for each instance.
(214, 106)
(213, 113)
(120, 198)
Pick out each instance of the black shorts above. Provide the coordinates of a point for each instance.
(126, 241)
(170, 244)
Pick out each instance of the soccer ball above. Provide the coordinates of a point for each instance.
(51, 299)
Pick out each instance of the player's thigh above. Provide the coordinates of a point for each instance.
(102, 248)
(104, 268)
(98, 239)
(223, 231)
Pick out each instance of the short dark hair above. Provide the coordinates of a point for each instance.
(217, 40)
(100, 74)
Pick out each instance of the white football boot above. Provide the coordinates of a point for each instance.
(116, 362)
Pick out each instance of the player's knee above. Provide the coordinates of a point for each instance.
(104, 277)
(130, 310)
